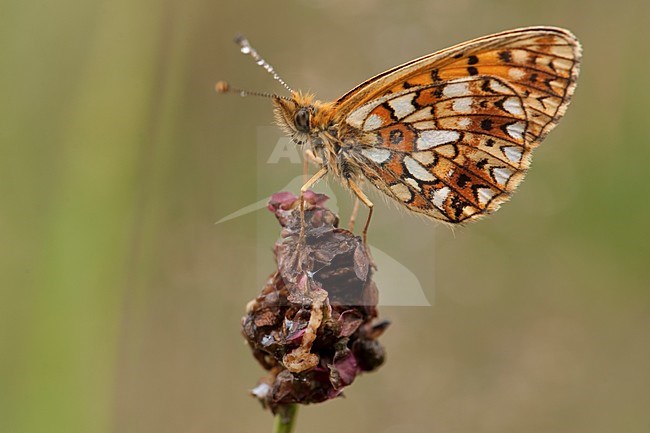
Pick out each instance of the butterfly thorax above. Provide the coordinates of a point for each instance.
(311, 123)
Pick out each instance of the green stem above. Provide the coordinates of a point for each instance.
(285, 419)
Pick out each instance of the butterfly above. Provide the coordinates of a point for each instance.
(448, 135)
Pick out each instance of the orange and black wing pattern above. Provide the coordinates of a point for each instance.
(450, 135)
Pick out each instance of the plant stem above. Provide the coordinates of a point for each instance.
(285, 419)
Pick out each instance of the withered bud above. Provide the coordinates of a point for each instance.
(313, 325)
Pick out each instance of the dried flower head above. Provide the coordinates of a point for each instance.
(313, 325)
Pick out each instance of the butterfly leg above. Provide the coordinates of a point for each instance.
(305, 169)
(315, 178)
(309, 156)
(364, 234)
(354, 214)
(361, 196)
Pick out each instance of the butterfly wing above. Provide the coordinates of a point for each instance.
(450, 134)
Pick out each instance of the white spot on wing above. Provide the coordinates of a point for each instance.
(513, 105)
(516, 74)
(463, 122)
(422, 114)
(501, 175)
(425, 158)
(498, 87)
(439, 196)
(427, 124)
(520, 56)
(485, 194)
(372, 122)
(558, 87)
(456, 89)
(513, 153)
(414, 183)
(516, 130)
(417, 170)
(435, 137)
(357, 117)
(377, 155)
(402, 105)
(563, 50)
(401, 191)
(462, 105)
(562, 65)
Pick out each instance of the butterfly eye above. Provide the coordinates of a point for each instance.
(301, 120)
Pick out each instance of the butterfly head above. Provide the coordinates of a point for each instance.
(297, 115)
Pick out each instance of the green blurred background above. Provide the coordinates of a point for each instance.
(120, 299)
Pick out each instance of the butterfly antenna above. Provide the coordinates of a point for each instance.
(224, 87)
(246, 48)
